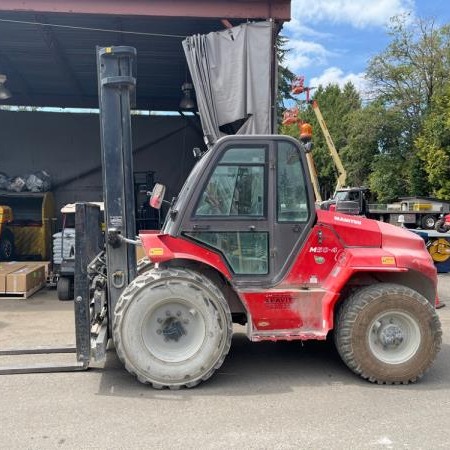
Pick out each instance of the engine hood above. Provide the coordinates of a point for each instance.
(354, 231)
(397, 237)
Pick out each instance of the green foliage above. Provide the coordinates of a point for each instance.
(433, 145)
(399, 142)
(413, 66)
(406, 77)
(386, 179)
(285, 76)
(377, 151)
(365, 127)
(336, 106)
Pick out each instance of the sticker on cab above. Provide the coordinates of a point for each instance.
(157, 251)
(387, 260)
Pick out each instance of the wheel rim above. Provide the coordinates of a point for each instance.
(173, 331)
(394, 337)
(429, 222)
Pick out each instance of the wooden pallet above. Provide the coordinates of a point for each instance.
(26, 294)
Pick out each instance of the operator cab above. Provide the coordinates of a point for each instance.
(250, 200)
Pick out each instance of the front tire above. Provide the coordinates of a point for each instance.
(64, 288)
(388, 334)
(172, 328)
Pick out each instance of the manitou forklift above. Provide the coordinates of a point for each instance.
(241, 243)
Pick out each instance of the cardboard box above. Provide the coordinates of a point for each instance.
(5, 269)
(25, 278)
(140, 252)
(46, 265)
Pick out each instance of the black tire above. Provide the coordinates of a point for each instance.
(172, 328)
(64, 288)
(441, 227)
(428, 222)
(388, 334)
(7, 248)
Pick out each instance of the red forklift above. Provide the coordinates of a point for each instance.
(242, 243)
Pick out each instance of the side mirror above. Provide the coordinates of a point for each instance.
(157, 196)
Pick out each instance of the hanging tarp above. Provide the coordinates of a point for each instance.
(231, 71)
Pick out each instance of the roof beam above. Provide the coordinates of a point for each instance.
(89, 101)
(15, 80)
(227, 9)
(59, 56)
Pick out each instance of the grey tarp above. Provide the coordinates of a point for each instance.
(231, 74)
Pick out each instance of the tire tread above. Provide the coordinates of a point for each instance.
(355, 305)
(153, 276)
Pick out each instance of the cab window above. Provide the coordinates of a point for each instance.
(247, 252)
(237, 185)
(292, 200)
(237, 190)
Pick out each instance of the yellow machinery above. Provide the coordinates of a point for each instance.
(439, 250)
(291, 116)
(32, 226)
(6, 236)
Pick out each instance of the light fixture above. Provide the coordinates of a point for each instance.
(4, 91)
(187, 101)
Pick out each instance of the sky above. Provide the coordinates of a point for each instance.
(332, 41)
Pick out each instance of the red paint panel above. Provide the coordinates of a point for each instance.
(319, 255)
(275, 309)
(162, 247)
(354, 231)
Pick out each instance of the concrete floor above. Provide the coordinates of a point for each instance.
(267, 395)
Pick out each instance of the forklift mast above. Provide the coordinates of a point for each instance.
(116, 84)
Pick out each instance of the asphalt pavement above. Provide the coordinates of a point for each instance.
(281, 395)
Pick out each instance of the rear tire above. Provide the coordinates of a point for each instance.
(388, 334)
(7, 248)
(172, 328)
(64, 288)
(428, 222)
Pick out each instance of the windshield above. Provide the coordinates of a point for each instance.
(189, 184)
(341, 195)
(353, 196)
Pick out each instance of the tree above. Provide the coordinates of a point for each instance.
(405, 78)
(364, 130)
(414, 65)
(335, 104)
(433, 145)
(285, 76)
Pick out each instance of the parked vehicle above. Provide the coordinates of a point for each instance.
(409, 212)
(243, 242)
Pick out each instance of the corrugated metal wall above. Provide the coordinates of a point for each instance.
(68, 147)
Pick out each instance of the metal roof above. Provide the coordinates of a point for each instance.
(48, 48)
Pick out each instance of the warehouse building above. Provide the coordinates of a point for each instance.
(48, 90)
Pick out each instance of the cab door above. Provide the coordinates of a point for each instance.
(253, 205)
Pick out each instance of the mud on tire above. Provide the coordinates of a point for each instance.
(388, 333)
(172, 328)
